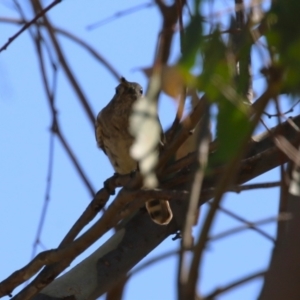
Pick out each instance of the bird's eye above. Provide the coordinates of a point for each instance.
(141, 91)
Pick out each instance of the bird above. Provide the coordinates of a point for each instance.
(114, 138)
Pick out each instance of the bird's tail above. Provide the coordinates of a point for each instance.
(159, 211)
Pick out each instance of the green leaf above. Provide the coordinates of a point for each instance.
(284, 40)
(232, 126)
(192, 40)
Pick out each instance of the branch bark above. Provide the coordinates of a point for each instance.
(139, 236)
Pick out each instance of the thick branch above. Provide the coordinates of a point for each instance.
(140, 236)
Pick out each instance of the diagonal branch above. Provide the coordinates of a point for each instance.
(28, 24)
(250, 168)
(62, 59)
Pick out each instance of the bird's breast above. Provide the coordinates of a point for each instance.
(117, 143)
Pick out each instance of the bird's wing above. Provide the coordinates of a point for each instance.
(162, 141)
(98, 134)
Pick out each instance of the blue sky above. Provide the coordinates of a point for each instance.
(127, 43)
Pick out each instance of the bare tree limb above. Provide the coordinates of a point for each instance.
(62, 59)
(28, 24)
(232, 285)
(249, 168)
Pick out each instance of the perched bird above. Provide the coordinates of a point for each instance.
(114, 139)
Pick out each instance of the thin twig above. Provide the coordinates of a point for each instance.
(56, 128)
(224, 182)
(246, 222)
(253, 186)
(284, 189)
(75, 162)
(187, 239)
(75, 39)
(181, 28)
(118, 14)
(234, 284)
(174, 128)
(51, 95)
(59, 52)
(290, 110)
(152, 261)
(188, 124)
(28, 24)
(250, 225)
(288, 149)
(38, 39)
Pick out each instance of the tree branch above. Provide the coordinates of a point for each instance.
(28, 24)
(150, 234)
